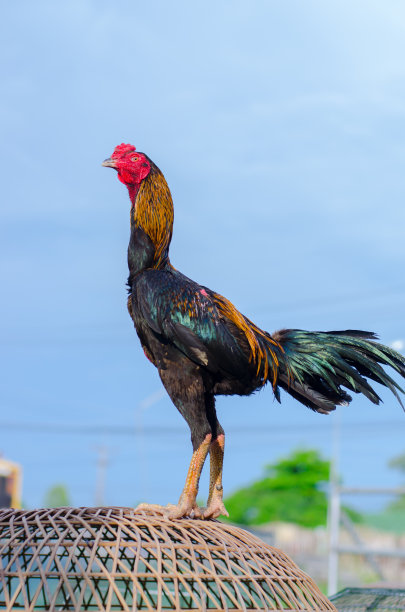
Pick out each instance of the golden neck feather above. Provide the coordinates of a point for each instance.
(153, 212)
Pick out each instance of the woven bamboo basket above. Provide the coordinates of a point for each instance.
(122, 559)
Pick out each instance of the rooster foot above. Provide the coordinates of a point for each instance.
(184, 509)
(171, 511)
(214, 509)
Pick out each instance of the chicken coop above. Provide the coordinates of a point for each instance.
(362, 600)
(120, 559)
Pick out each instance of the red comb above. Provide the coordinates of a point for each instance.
(123, 149)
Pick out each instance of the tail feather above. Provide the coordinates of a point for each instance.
(357, 385)
(310, 397)
(316, 367)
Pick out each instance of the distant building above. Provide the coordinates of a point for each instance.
(10, 484)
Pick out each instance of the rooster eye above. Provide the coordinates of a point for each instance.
(135, 158)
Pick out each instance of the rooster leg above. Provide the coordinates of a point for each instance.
(187, 503)
(184, 383)
(215, 506)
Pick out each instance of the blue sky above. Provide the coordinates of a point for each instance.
(280, 129)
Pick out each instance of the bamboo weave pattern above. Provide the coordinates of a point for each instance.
(118, 559)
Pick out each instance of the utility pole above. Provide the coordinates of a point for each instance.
(102, 464)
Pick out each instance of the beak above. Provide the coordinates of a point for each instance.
(109, 163)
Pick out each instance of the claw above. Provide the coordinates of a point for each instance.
(152, 508)
(215, 509)
(185, 509)
(198, 512)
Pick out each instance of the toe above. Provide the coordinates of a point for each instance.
(150, 508)
(198, 513)
(186, 511)
(214, 510)
(180, 511)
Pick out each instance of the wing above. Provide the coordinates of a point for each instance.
(181, 312)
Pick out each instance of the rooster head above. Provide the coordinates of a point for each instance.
(132, 167)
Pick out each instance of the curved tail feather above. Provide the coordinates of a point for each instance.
(316, 367)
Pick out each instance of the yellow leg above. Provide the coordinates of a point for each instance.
(187, 503)
(215, 505)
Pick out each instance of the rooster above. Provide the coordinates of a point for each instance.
(203, 346)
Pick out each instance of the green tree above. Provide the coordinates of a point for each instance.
(290, 491)
(398, 463)
(57, 496)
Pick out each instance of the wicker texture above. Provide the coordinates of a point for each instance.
(120, 559)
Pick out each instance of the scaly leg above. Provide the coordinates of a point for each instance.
(184, 383)
(187, 503)
(215, 506)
